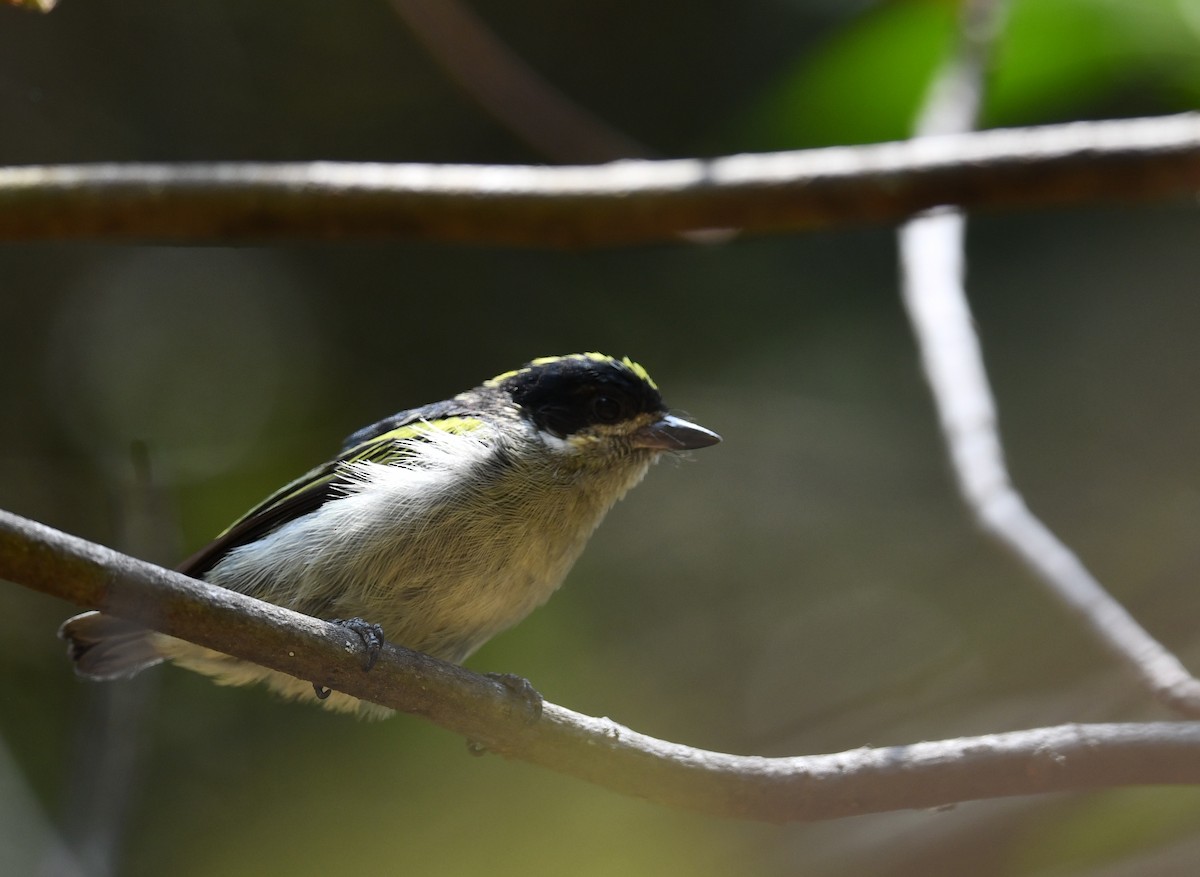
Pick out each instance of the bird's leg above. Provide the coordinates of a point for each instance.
(370, 634)
(531, 700)
(372, 640)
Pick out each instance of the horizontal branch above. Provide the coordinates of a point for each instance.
(620, 203)
(1070, 757)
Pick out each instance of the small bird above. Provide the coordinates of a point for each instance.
(441, 525)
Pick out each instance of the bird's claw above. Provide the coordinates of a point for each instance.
(370, 634)
(372, 640)
(519, 686)
(530, 699)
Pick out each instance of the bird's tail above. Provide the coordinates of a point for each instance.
(103, 647)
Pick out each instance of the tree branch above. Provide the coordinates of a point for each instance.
(619, 203)
(933, 268)
(1069, 757)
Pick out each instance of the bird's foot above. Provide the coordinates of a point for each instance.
(372, 640)
(370, 634)
(531, 700)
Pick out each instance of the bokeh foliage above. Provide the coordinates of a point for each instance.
(810, 585)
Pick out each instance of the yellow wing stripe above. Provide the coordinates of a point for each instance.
(384, 448)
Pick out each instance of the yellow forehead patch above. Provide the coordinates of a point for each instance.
(634, 367)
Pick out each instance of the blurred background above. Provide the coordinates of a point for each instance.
(811, 585)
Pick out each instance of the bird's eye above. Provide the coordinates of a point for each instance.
(605, 409)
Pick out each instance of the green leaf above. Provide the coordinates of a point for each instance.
(862, 86)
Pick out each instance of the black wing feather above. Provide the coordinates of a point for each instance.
(315, 488)
(433, 411)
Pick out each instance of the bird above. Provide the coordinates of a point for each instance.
(439, 526)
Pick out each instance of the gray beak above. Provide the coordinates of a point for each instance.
(671, 433)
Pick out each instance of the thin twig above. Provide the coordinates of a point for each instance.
(35, 5)
(101, 782)
(931, 248)
(921, 775)
(620, 203)
(508, 89)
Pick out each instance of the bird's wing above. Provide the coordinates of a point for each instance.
(386, 442)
